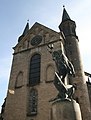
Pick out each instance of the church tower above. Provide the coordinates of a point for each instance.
(71, 46)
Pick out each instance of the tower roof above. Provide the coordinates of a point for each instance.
(26, 29)
(65, 15)
(24, 32)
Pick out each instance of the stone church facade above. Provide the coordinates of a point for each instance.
(33, 70)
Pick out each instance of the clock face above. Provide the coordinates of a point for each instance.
(36, 40)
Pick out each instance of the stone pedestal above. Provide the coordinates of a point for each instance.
(66, 110)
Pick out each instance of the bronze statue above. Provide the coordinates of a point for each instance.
(64, 67)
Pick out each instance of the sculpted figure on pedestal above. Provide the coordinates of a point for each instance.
(64, 67)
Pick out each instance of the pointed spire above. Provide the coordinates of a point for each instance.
(24, 32)
(67, 26)
(65, 15)
(26, 28)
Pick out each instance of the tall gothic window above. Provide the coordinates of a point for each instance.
(34, 75)
(33, 101)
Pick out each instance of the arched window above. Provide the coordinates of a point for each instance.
(34, 75)
(19, 80)
(50, 72)
(33, 101)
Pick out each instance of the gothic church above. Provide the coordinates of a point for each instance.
(32, 73)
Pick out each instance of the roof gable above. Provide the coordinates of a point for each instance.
(47, 34)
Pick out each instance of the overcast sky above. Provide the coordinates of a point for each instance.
(13, 18)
